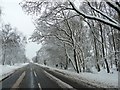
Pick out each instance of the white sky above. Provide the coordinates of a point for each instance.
(12, 13)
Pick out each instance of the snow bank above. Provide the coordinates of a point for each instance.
(6, 70)
(101, 79)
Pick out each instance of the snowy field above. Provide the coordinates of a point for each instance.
(101, 79)
(6, 70)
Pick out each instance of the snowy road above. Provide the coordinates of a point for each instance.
(33, 76)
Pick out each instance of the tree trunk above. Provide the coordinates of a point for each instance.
(66, 55)
(3, 59)
(103, 51)
(66, 63)
(3, 54)
(79, 59)
(114, 49)
(75, 59)
(72, 64)
(96, 55)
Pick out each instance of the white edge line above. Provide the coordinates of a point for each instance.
(60, 83)
(35, 74)
(19, 80)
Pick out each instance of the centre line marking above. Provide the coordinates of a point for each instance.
(39, 86)
(38, 83)
(35, 74)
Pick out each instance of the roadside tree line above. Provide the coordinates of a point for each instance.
(84, 34)
(12, 44)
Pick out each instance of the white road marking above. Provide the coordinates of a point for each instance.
(39, 86)
(31, 69)
(38, 83)
(35, 74)
(17, 83)
(60, 82)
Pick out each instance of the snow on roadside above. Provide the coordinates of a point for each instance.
(101, 79)
(6, 70)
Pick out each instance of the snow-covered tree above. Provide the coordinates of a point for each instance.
(0, 46)
(0, 38)
(13, 50)
(85, 30)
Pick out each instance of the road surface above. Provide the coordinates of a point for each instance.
(34, 76)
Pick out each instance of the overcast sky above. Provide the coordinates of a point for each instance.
(13, 14)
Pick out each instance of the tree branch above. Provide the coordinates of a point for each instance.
(64, 40)
(103, 14)
(113, 5)
(117, 26)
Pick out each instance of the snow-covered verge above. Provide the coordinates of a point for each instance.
(100, 80)
(6, 70)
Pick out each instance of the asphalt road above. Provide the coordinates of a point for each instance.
(30, 76)
(35, 77)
